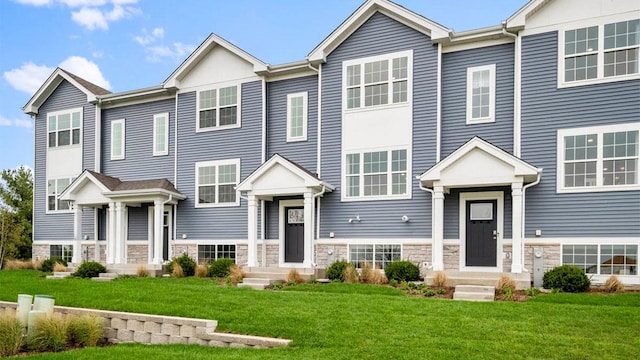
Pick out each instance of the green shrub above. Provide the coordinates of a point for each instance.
(50, 334)
(187, 264)
(86, 330)
(566, 278)
(335, 271)
(10, 335)
(89, 269)
(402, 271)
(47, 265)
(221, 268)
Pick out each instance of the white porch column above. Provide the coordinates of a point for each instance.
(516, 226)
(308, 229)
(119, 232)
(252, 231)
(77, 234)
(437, 249)
(111, 233)
(158, 212)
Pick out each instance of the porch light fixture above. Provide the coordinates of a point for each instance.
(405, 218)
(357, 218)
(86, 237)
(184, 236)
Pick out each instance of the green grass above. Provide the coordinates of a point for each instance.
(342, 321)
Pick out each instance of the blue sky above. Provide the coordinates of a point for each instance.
(130, 44)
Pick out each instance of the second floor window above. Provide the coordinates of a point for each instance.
(64, 128)
(218, 108)
(117, 139)
(297, 114)
(161, 134)
(54, 188)
(481, 85)
(376, 174)
(216, 182)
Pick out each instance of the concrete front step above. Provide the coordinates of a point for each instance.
(104, 279)
(256, 283)
(474, 293)
(276, 274)
(523, 280)
(59, 275)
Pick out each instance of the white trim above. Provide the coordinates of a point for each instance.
(217, 164)
(281, 231)
(319, 134)
(390, 80)
(439, 105)
(156, 117)
(393, 241)
(478, 44)
(46, 198)
(580, 240)
(70, 112)
(471, 196)
(215, 243)
(379, 242)
(492, 94)
(121, 156)
(517, 97)
(305, 116)
(599, 131)
(602, 277)
(217, 88)
(97, 160)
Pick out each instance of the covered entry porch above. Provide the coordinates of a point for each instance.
(99, 191)
(485, 186)
(297, 215)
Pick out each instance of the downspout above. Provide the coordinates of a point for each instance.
(97, 166)
(439, 104)
(432, 206)
(175, 151)
(524, 189)
(317, 223)
(516, 89)
(264, 120)
(319, 145)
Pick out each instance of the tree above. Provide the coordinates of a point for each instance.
(16, 206)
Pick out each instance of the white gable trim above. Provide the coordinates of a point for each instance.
(363, 13)
(517, 21)
(49, 86)
(173, 81)
(71, 192)
(522, 169)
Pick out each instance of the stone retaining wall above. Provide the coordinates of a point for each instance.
(157, 329)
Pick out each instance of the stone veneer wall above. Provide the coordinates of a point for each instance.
(551, 254)
(122, 327)
(137, 254)
(323, 259)
(39, 252)
(273, 255)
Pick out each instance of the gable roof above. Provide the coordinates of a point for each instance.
(51, 84)
(517, 21)
(363, 13)
(198, 54)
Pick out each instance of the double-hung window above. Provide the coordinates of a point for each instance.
(209, 253)
(218, 108)
(481, 94)
(602, 259)
(598, 158)
(54, 188)
(602, 52)
(376, 174)
(216, 182)
(376, 256)
(117, 139)
(64, 128)
(161, 134)
(297, 114)
(378, 80)
(64, 252)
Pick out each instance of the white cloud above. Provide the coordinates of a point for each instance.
(93, 14)
(147, 38)
(28, 77)
(91, 18)
(24, 123)
(175, 52)
(97, 54)
(158, 33)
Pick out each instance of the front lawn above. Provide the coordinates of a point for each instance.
(342, 321)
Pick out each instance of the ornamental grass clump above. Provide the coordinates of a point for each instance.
(350, 275)
(236, 274)
(295, 277)
(506, 285)
(11, 338)
(50, 334)
(86, 330)
(142, 271)
(440, 280)
(377, 278)
(176, 271)
(57, 267)
(187, 264)
(365, 272)
(613, 284)
(566, 278)
(15, 264)
(202, 271)
(47, 265)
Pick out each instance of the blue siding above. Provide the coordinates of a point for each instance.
(302, 152)
(138, 226)
(244, 143)
(545, 109)
(60, 226)
(380, 219)
(455, 130)
(139, 162)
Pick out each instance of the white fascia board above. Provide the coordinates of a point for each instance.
(49, 86)
(67, 194)
(363, 13)
(518, 20)
(144, 193)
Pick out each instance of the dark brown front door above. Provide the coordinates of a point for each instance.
(481, 233)
(294, 235)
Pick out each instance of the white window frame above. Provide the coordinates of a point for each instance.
(599, 131)
(123, 137)
(492, 94)
(305, 115)
(389, 173)
(165, 151)
(362, 61)
(373, 265)
(217, 164)
(71, 128)
(598, 255)
(56, 194)
(66, 251)
(216, 251)
(217, 107)
(600, 78)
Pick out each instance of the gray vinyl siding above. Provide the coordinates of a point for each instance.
(60, 226)
(302, 152)
(380, 219)
(139, 162)
(138, 225)
(244, 143)
(455, 130)
(452, 212)
(545, 109)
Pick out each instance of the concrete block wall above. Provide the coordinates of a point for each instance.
(123, 327)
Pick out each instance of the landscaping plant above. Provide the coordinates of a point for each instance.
(365, 272)
(566, 278)
(335, 271)
(202, 271)
(350, 274)
(10, 335)
(57, 267)
(506, 285)
(47, 265)
(440, 280)
(187, 264)
(176, 271)
(86, 330)
(50, 334)
(402, 271)
(89, 269)
(236, 274)
(220, 268)
(142, 271)
(613, 284)
(295, 277)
